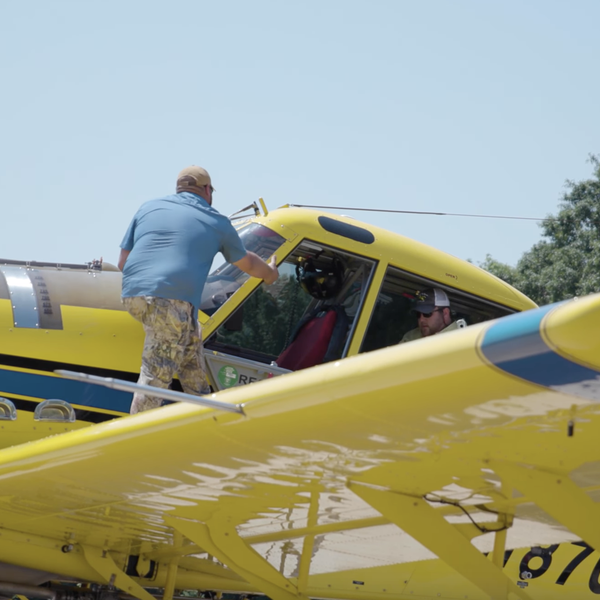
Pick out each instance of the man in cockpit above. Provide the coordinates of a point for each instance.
(165, 258)
(433, 313)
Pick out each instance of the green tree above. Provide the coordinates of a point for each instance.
(268, 317)
(566, 262)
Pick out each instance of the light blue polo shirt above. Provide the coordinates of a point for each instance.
(172, 243)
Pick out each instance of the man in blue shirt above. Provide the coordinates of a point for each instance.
(165, 258)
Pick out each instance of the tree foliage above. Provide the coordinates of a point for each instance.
(566, 263)
(268, 317)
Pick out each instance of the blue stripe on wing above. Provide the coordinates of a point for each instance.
(515, 345)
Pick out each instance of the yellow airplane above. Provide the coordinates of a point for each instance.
(462, 465)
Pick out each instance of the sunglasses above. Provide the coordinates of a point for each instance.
(427, 315)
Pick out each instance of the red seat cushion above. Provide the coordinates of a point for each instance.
(311, 343)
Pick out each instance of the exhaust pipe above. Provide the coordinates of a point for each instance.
(31, 591)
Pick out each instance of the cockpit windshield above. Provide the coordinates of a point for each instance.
(227, 278)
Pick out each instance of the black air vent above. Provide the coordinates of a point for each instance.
(352, 232)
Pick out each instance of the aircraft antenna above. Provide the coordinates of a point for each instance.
(422, 212)
(252, 206)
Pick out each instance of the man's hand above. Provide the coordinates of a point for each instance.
(255, 266)
(272, 265)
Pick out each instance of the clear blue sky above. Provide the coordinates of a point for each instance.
(446, 105)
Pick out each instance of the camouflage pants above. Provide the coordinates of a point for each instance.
(173, 345)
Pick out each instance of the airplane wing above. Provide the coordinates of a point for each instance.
(338, 481)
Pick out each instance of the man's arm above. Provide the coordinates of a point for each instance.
(255, 266)
(123, 258)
